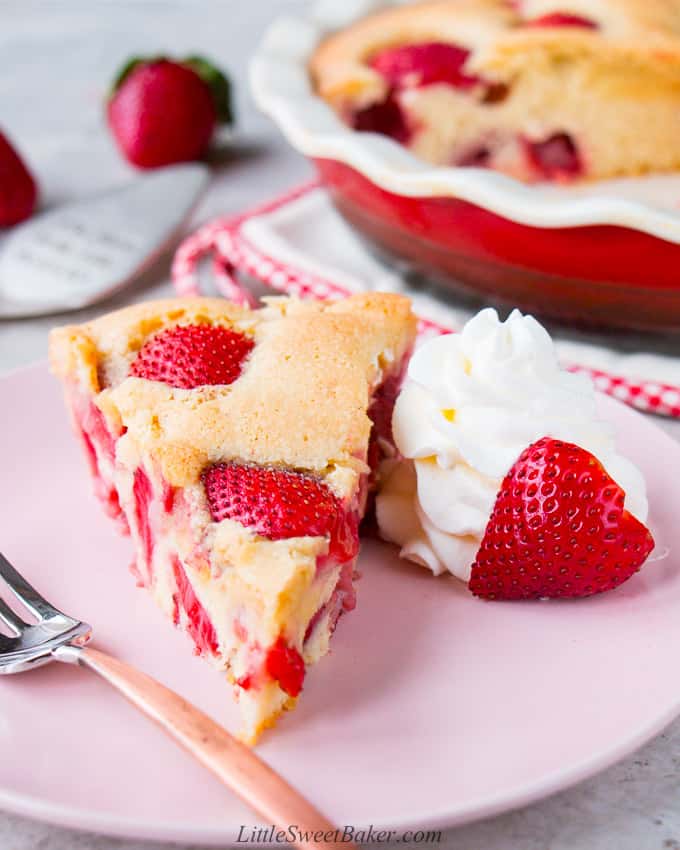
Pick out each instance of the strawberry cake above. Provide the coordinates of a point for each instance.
(538, 89)
(237, 446)
(506, 477)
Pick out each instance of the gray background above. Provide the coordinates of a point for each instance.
(56, 61)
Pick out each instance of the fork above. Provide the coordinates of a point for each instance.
(54, 636)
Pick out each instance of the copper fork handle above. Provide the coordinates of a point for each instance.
(233, 763)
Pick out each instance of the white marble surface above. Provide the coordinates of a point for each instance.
(56, 60)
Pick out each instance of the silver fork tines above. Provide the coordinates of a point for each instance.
(10, 619)
(33, 644)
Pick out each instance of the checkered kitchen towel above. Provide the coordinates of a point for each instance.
(297, 244)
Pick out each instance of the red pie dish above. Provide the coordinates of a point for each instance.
(597, 251)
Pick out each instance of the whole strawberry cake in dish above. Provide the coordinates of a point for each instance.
(236, 446)
(507, 478)
(538, 89)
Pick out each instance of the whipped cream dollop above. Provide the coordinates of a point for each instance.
(470, 405)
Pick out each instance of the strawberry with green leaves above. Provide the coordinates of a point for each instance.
(163, 111)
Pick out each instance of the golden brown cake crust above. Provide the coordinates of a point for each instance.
(301, 400)
(615, 89)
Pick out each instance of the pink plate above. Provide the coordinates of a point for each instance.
(434, 709)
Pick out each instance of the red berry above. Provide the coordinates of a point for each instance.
(385, 117)
(415, 65)
(164, 111)
(189, 356)
(142, 492)
(562, 19)
(475, 157)
(555, 158)
(18, 191)
(558, 529)
(285, 665)
(199, 624)
(279, 504)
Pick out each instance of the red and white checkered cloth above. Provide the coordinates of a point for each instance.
(232, 253)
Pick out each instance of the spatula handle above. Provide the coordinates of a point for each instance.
(232, 762)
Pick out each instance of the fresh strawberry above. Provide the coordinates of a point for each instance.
(562, 19)
(280, 504)
(558, 529)
(285, 665)
(189, 356)
(162, 111)
(18, 191)
(416, 65)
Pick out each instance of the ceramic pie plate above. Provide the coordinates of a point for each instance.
(434, 708)
(604, 253)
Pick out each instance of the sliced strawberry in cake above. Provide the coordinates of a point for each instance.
(507, 477)
(237, 446)
(561, 19)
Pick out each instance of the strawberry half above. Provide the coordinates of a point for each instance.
(18, 191)
(558, 529)
(279, 504)
(189, 356)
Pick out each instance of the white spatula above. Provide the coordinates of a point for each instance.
(79, 253)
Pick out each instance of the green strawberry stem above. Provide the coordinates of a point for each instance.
(129, 66)
(217, 82)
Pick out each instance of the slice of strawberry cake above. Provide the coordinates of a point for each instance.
(508, 479)
(236, 446)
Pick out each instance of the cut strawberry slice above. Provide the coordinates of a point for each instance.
(386, 118)
(143, 495)
(562, 19)
(199, 625)
(475, 157)
(285, 665)
(558, 529)
(192, 356)
(280, 504)
(555, 158)
(100, 446)
(417, 65)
